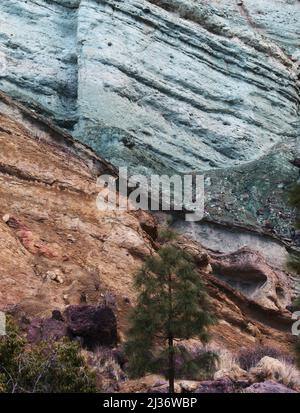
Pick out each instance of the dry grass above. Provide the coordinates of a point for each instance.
(226, 361)
(248, 358)
(278, 366)
(105, 364)
(108, 371)
(290, 376)
(278, 370)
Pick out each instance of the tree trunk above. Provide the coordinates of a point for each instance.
(171, 365)
(171, 339)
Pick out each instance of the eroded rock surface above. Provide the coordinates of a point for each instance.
(57, 248)
(246, 270)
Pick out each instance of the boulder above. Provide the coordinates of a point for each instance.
(163, 387)
(96, 326)
(267, 368)
(234, 373)
(270, 368)
(268, 387)
(188, 386)
(47, 329)
(223, 385)
(93, 326)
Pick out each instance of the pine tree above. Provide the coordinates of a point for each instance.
(172, 305)
(294, 261)
(294, 199)
(297, 351)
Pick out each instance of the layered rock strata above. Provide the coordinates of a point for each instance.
(170, 86)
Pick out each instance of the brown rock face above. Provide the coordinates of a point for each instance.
(148, 223)
(56, 247)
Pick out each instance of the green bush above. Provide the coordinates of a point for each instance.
(48, 367)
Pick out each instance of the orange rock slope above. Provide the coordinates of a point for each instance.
(56, 248)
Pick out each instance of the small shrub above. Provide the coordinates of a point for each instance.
(290, 375)
(52, 367)
(249, 358)
(166, 234)
(105, 363)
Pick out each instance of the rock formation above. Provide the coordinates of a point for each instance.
(248, 272)
(268, 387)
(93, 326)
(58, 249)
(158, 86)
(96, 326)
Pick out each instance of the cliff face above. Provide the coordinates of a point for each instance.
(57, 248)
(170, 86)
(164, 86)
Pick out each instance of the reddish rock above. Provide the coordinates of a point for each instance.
(48, 197)
(47, 329)
(16, 224)
(97, 326)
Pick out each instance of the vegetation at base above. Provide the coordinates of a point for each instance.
(48, 367)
